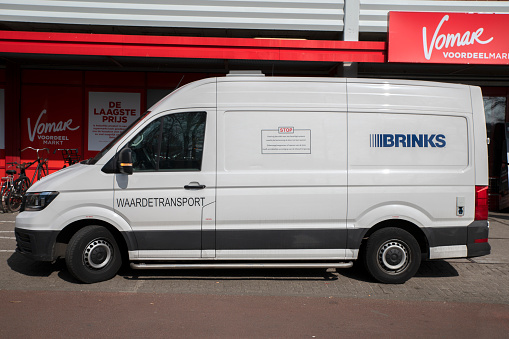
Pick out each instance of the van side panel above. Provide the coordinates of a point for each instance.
(281, 171)
(365, 95)
(410, 157)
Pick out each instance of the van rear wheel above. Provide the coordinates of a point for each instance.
(392, 255)
(93, 255)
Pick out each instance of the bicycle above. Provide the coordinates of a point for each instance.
(21, 185)
(69, 155)
(6, 187)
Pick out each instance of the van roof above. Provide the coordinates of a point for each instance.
(385, 94)
(258, 78)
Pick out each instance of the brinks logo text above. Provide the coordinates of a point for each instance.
(407, 140)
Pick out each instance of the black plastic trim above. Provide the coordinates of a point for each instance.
(37, 245)
(479, 229)
(242, 239)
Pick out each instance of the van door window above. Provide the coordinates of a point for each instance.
(182, 142)
(145, 147)
(171, 143)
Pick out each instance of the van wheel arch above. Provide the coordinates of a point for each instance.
(93, 255)
(413, 231)
(70, 230)
(408, 226)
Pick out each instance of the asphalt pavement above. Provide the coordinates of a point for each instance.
(446, 298)
(482, 279)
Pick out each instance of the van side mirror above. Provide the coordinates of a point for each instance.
(125, 161)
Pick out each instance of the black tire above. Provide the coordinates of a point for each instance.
(14, 200)
(3, 196)
(93, 255)
(15, 196)
(392, 255)
(21, 185)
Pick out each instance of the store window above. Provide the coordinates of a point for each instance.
(495, 108)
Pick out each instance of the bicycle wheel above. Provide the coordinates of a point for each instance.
(42, 170)
(21, 185)
(15, 196)
(14, 200)
(3, 197)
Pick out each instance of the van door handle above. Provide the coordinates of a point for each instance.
(194, 185)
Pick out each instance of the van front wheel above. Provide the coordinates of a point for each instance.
(392, 255)
(93, 255)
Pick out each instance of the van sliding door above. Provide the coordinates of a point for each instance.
(282, 191)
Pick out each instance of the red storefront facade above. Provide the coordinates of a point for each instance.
(84, 104)
(83, 110)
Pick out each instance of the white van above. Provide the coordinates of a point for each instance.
(250, 172)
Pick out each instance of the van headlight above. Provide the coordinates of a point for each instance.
(37, 201)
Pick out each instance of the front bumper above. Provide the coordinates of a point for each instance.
(37, 245)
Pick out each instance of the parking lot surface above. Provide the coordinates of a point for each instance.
(481, 280)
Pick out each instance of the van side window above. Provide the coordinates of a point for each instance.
(145, 147)
(171, 143)
(182, 141)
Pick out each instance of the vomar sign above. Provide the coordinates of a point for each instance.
(448, 38)
(52, 117)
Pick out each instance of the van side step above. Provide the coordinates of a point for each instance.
(215, 265)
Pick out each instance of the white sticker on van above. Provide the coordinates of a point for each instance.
(286, 140)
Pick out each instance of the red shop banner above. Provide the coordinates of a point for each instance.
(51, 118)
(448, 38)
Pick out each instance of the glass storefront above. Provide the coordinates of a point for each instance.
(495, 107)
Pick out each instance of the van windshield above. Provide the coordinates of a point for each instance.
(94, 160)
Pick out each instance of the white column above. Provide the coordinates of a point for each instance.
(351, 32)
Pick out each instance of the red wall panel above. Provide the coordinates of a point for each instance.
(123, 79)
(52, 77)
(171, 80)
(51, 117)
